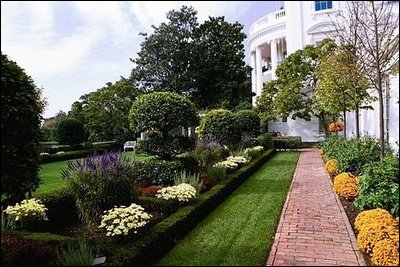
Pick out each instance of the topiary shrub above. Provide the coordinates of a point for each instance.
(248, 122)
(221, 125)
(70, 132)
(346, 185)
(161, 113)
(21, 110)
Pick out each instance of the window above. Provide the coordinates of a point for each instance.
(322, 5)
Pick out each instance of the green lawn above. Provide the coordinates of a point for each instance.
(50, 173)
(240, 231)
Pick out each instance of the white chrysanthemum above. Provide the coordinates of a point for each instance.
(120, 220)
(28, 209)
(182, 192)
(226, 164)
(237, 159)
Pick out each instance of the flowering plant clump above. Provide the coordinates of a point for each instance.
(331, 166)
(377, 215)
(26, 212)
(337, 126)
(226, 165)
(237, 159)
(182, 192)
(386, 253)
(253, 151)
(121, 220)
(373, 233)
(346, 185)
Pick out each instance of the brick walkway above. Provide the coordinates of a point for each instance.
(313, 228)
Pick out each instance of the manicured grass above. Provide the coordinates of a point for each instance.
(50, 173)
(240, 231)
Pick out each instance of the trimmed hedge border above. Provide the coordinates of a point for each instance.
(77, 154)
(161, 237)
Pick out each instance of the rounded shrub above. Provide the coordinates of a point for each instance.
(21, 110)
(248, 122)
(346, 185)
(221, 125)
(378, 215)
(162, 111)
(70, 132)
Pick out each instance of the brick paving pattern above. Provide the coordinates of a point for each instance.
(313, 229)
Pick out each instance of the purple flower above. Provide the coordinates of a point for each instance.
(246, 138)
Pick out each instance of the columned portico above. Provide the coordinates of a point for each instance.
(274, 58)
(259, 80)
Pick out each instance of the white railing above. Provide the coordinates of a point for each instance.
(267, 20)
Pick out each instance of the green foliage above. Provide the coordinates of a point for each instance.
(165, 147)
(162, 111)
(204, 62)
(106, 111)
(21, 110)
(265, 140)
(248, 122)
(70, 132)
(221, 79)
(293, 91)
(379, 186)
(352, 154)
(218, 173)
(287, 143)
(76, 254)
(221, 125)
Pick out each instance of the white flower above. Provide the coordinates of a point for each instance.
(26, 211)
(120, 220)
(182, 192)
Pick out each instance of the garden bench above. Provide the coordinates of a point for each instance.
(129, 144)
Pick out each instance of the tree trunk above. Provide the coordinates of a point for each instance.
(357, 122)
(381, 121)
(344, 123)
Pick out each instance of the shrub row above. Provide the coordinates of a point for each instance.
(160, 238)
(287, 142)
(78, 153)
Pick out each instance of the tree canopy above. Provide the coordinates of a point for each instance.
(21, 109)
(203, 62)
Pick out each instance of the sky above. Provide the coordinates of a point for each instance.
(73, 48)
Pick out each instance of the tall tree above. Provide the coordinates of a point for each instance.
(293, 91)
(341, 86)
(21, 109)
(374, 28)
(106, 111)
(165, 56)
(203, 62)
(221, 78)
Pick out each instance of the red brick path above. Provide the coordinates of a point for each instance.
(313, 228)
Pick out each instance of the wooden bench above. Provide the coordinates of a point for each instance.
(129, 144)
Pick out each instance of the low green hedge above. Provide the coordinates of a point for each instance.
(161, 237)
(287, 142)
(77, 154)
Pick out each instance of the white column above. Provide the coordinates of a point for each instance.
(258, 70)
(274, 57)
(253, 75)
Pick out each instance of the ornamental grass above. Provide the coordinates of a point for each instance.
(346, 185)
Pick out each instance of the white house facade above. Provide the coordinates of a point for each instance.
(282, 32)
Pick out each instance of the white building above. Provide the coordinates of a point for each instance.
(282, 32)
